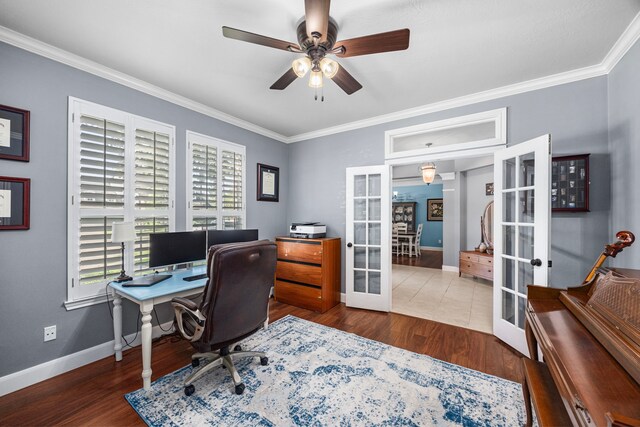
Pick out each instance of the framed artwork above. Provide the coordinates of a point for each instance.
(488, 189)
(14, 134)
(570, 183)
(14, 203)
(435, 209)
(268, 183)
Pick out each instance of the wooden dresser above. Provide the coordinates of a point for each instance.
(308, 272)
(476, 264)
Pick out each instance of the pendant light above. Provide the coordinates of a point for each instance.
(428, 172)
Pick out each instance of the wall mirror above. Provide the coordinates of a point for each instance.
(487, 225)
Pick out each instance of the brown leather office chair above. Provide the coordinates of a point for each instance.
(234, 305)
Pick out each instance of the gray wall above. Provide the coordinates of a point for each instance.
(452, 197)
(576, 116)
(624, 143)
(33, 263)
(473, 206)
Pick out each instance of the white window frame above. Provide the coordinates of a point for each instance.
(91, 294)
(219, 212)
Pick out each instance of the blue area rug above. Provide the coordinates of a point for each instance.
(320, 376)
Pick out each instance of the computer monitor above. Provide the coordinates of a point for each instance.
(216, 237)
(177, 248)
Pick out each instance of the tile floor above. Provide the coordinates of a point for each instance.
(443, 296)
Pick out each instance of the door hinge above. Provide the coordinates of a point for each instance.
(73, 282)
(550, 263)
(72, 200)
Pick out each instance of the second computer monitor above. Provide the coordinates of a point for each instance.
(216, 237)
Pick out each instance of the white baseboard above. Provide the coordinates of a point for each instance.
(431, 248)
(44, 371)
(450, 268)
(343, 298)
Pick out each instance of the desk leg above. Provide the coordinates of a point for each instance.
(117, 326)
(145, 310)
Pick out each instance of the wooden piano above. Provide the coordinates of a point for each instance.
(589, 337)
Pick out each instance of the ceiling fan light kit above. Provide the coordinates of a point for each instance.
(317, 35)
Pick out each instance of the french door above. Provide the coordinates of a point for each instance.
(368, 241)
(521, 233)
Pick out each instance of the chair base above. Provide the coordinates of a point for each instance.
(223, 357)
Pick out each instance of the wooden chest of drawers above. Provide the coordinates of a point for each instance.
(308, 272)
(476, 264)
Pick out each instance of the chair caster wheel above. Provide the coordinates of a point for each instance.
(188, 390)
(237, 348)
(264, 361)
(195, 363)
(240, 388)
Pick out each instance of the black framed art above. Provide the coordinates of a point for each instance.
(14, 133)
(14, 203)
(435, 209)
(268, 183)
(570, 183)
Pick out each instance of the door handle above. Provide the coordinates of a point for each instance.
(349, 244)
(536, 262)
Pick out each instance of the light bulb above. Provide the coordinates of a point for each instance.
(329, 67)
(315, 79)
(301, 65)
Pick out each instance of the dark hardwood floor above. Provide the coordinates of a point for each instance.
(93, 394)
(427, 259)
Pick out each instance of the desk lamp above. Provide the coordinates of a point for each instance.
(122, 232)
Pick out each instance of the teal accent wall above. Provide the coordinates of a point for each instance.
(431, 230)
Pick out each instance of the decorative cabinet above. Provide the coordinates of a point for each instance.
(476, 264)
(308, 272)
(405, 212)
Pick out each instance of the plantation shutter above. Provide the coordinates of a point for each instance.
(102, 191)
(152, 191)
(216, 197)
(120, 169)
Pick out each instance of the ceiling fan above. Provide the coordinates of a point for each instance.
(317, 35)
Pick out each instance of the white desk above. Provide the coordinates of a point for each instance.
(146, 298)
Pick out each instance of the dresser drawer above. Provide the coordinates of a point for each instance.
(468, 257)
(310, 252)
(299, 295)
(485, 260)
(302, 273)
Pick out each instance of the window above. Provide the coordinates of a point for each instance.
(215, 184)
(120, 169)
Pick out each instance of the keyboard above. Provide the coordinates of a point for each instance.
(196, 277)
(149, 280)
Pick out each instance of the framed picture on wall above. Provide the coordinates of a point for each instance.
(14, 203)
(435, 208)
(14, 133)
(268, 183)
(570, 183)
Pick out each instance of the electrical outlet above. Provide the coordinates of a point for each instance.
(49, 333)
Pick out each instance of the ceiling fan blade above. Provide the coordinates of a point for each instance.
(375, 43)
(346, 81)
(246, 36)
(284, 81)
(316, 15)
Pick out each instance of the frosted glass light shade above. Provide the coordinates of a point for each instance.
(315, 80)
(123, 232)
(301, 65)
(428, 173)
(329, 67)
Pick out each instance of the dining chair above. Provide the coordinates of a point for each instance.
(401, 228)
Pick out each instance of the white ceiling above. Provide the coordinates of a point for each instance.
(457, 48)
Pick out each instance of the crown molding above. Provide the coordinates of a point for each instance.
(615, 54)
(51, 52)
(626, 40)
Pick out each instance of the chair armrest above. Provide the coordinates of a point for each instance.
(185, 302)
(186, 311)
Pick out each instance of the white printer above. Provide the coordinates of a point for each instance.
(307, 230)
